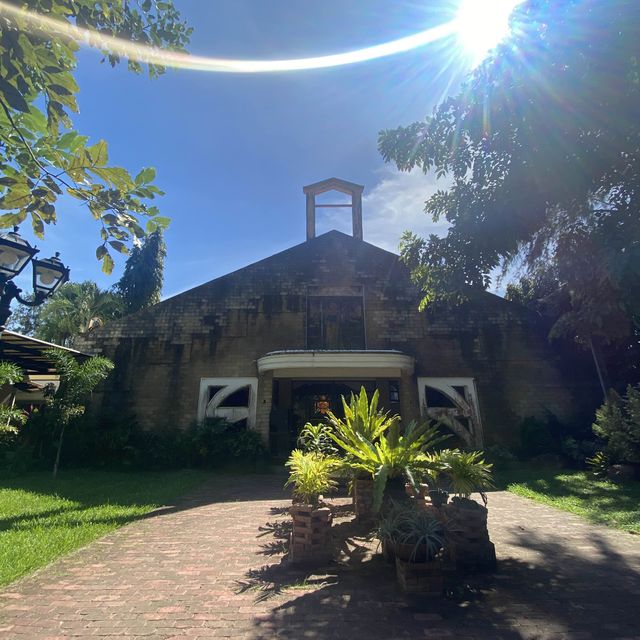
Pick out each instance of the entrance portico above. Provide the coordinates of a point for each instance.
(302, 385)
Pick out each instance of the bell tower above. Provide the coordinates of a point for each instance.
(334, 184)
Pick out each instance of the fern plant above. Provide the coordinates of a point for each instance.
(459, 472)
(599, 464)
(10, 418)
(311, 475)
(393, 455)
(317, 438)
(362, 418)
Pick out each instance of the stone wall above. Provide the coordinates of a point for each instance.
(221, 328)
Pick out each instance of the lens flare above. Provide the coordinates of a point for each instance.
(483, 24)
(152, 55)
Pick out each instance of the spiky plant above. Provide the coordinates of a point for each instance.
(10, 418)
(361, 418)
(393, 455)
(311, 475)
(315, 437)
(461, 472)
(408, 525)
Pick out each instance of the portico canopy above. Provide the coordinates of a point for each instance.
(336, 364)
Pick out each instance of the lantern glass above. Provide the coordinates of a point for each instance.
(48, 276)
(15, 253)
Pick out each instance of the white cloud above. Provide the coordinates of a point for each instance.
(396, 204)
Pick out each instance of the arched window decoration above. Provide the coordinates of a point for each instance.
(233, 399)
(455, 402)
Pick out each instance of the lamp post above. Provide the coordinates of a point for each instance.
(49, 274)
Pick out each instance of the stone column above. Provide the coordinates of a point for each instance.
(409, 403)
(263, 407)
(383, 390)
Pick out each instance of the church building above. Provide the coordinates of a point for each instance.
(278, 342)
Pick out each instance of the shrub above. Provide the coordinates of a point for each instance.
(577, 451)
(618, 424)
(217, 442)
(536, 437)
(500, 457)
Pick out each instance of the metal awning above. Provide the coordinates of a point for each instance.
(29, 353)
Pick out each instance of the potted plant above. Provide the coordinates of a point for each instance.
(362, 419)
(417, 540)
(311, 475)
(464, 473)
(453, 471)
(387, 531)
(391, 459)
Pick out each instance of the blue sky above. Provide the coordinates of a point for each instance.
(233, 151)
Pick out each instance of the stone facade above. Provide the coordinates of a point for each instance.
(220, 331)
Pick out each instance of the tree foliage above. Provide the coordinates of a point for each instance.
(42, 156)
(76, 308)
(618, 424)
(77, 381)
(10, 418)
(141, 282)
(541, 149)
(25, 319)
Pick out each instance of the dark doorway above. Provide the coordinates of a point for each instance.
(296, 402)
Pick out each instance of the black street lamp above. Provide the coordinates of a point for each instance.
(15, 254)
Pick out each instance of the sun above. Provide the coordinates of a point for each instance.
(482, 24)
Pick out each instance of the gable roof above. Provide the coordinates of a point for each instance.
(325, 243)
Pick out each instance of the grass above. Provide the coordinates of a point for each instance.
(598, 501)
(42, 519)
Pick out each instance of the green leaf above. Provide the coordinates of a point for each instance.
(18, 195)
(107, 264)
(98, 154)
(101, 252)
(66, 141)
(13, 97)
(11, 219)
(119, 246)
(115, 176)
(38, 226)
(162, 221)
(59, 89)
(145, 176)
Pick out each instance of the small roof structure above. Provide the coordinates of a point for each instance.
(29, 353)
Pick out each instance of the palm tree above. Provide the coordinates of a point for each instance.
(77, 308)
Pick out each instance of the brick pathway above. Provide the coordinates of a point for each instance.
(198, 570)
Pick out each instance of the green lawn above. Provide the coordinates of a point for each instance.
(579, 492)
(42, 519)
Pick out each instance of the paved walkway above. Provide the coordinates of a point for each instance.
(210, 567)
